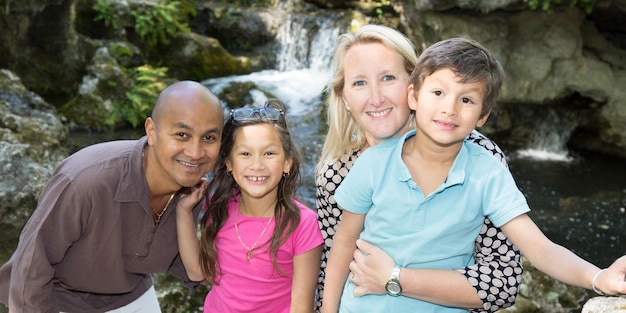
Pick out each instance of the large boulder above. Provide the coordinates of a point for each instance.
(558, 63)
(31, 144)
(39, 45)
(101, 91)
(197, 57)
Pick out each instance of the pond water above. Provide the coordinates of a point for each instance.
(579, 204)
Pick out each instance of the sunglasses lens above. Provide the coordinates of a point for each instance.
(246, 114)
(242, 114)
(270, 113)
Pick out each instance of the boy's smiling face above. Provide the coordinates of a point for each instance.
(447, 110)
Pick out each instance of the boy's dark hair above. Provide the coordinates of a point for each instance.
(467, 59)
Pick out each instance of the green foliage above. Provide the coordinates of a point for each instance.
(382, 8)
(147, 83)
(174, 296)
(118, 51)
(545, 5)
(155, 25)
(105, 13)
(188, 7)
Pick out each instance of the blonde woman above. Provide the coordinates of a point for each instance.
(368, 104)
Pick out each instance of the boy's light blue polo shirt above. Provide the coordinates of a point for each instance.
(436, 232)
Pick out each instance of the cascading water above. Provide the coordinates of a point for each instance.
(304, 47)
(551, 131)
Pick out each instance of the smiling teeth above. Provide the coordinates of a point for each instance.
(256, 178)
(452, 125)
(380, 113)
(189, 164)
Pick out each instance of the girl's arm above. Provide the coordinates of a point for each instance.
(305, 268)
(188, 242)
(559, 262)
(372, 269)
(339, 259)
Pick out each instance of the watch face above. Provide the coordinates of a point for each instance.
(393, 288)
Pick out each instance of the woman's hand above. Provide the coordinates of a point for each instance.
(370, 270)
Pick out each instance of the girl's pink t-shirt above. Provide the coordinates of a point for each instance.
(254, 285)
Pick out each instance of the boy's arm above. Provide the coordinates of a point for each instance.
(372, 269)
(339, 259)
(561, 263)
(434, 285)
(305, 269)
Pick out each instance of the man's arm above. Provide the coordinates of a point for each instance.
(45, 238)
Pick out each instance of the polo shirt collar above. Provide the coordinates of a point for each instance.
(456, 175)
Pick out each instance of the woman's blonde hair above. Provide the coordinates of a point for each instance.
(344, 134)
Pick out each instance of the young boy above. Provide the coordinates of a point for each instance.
(423, 197)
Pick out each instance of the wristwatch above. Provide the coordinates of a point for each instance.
(393, 285)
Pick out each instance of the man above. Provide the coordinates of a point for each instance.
(106, 219)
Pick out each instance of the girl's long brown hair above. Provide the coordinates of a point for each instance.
(223, 187)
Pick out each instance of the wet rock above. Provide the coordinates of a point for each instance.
(605, 305)
(31, 145)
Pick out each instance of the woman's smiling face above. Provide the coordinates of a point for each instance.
(375, 91)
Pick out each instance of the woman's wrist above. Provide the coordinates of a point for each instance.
(593, 282)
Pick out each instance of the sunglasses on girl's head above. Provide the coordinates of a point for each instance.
(249, 114)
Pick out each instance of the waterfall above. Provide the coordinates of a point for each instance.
(550, 136)
(304, 47)
(307, 42)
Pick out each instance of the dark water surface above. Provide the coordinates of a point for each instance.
(579, 204)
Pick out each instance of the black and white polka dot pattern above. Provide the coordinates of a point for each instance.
(498, 271)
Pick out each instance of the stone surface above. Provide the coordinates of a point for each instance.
(605, 305)
(31, 144)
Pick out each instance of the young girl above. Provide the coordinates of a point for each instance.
(259, 248)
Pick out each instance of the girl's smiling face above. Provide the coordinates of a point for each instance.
(258, 160)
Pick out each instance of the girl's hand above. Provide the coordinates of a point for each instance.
(189, 199)
(370, 270)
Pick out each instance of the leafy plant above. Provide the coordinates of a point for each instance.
(585, 5)
(156, 24)
(105, 13)
(118, 51)
(153, 24)
(147, 83)
(188, 7)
